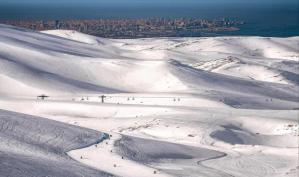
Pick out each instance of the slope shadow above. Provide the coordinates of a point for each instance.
(33, 146)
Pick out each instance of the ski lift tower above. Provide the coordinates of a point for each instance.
(42, 97)
(103, 98)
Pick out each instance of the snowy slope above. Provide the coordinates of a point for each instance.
(32, 146)
(61, 66)
(223, 106)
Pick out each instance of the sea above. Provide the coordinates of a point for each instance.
(269, 20)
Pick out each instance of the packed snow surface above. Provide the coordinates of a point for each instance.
(218, 106)
(32, 146)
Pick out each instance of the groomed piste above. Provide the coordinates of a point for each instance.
(74, 104)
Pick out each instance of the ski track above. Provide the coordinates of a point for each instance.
(218, 106)
(34, 146)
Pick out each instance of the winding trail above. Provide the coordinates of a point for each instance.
(34, 146)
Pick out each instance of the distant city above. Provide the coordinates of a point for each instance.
(136, 28)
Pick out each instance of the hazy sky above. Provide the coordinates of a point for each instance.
(145, 1)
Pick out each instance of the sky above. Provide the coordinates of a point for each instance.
(141, 1)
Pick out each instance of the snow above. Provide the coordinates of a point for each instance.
(218, 106)
(102, 158)
(33, 146)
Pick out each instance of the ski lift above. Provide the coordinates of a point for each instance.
(42, 97)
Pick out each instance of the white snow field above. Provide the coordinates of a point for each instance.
(185, 107)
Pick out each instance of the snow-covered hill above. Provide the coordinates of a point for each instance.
(32, 146)
(223, 106)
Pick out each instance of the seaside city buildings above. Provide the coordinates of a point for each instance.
(136, 28)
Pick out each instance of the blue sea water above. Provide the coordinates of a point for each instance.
(279, 20)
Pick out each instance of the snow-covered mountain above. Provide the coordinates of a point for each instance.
(219, 106)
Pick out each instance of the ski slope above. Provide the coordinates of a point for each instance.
(33, 146)
(217, 106)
